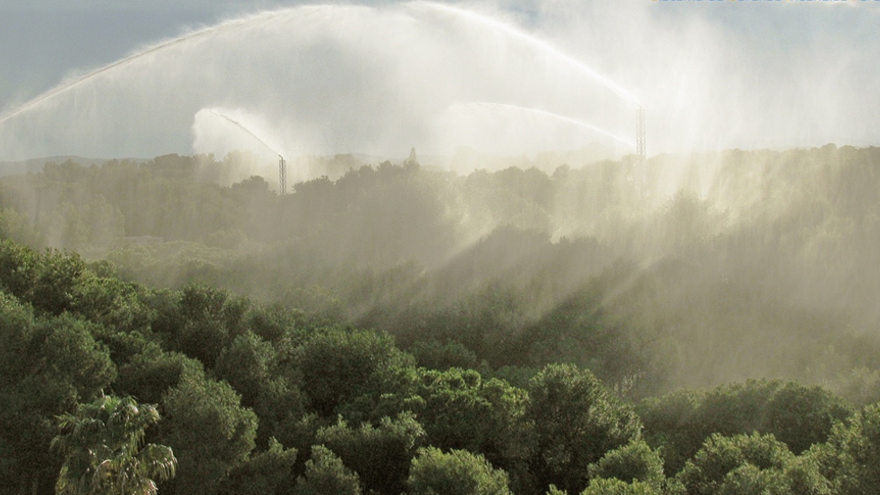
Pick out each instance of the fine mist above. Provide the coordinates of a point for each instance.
(522, 225)
(682, 270)
(378, 80)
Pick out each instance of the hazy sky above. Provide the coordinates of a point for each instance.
(711, 74)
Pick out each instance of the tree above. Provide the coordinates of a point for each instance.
(379, 455)
(208, 429)
(852, 458)
(797, 415)
(207, 320)
(47, 366)
(326, 475)
(740, 464)
(576, 421)
(458, 472)
(612, 486)
(339, 365)
(266, 473)
(102, 445)
(152, 372)
(460, 410)
(635, 461)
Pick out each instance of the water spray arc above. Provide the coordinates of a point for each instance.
(562, 118)
(282, 163)
(539, 43)
(64, 87)
(404, 17)
(245, 129)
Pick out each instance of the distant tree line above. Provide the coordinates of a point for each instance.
(684, 271)
(401, 329)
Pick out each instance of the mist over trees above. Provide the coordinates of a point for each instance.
(688, 270)
(687, 325)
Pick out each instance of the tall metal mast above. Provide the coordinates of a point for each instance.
(640, 133)
(282, 175)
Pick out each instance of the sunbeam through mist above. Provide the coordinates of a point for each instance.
(323, 78)
(400, 246)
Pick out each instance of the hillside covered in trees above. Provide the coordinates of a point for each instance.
(693, 324)
(258, 399)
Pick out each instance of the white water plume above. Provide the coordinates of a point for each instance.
(328, 78)
(247, 129)
(541, 45)
(508, 109)
(380, 80)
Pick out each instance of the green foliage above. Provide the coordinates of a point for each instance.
(434, 355)
(265, 473)
(326, 475)
(46, 367)
(102, 446)
(576, 422)
(63, 349)
(460, 410)
(250, 365)
(457, 472)
(339, 365)
(613, 486)
(208, 429)
(740, 465)
(209, 320)
(635, 461)
(245, 364)
(798, 415)
(853, 457)
(112, 303)
(379, 455)
(45, 281)
(152, 372)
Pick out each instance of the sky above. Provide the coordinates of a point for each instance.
(382, 76)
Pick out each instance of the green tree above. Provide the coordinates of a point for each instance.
(798, 415)
(152, 372)
(205, 321)
(576, 421)
(208, 429)
(326, 475)
(458, 472)
(740, 464)
(379, 455)
(460, 410)
(852, 456)
(339, 365)
(46, 368)
(266, 473)
(635, 461)
(102, 445)
(613, 486)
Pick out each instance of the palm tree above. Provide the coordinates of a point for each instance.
(101, 444)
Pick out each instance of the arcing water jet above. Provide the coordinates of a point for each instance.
(323, 65)
(282, 163)
(243, 128)
(556, 116)
(64, 87)
(542, 45)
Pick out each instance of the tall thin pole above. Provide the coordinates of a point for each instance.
(282, 175)
(640, 133)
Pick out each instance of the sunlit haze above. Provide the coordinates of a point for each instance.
(515, 77)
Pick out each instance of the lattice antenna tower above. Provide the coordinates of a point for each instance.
(282, 175)
(640, 133)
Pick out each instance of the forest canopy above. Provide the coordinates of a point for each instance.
(689, 324)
